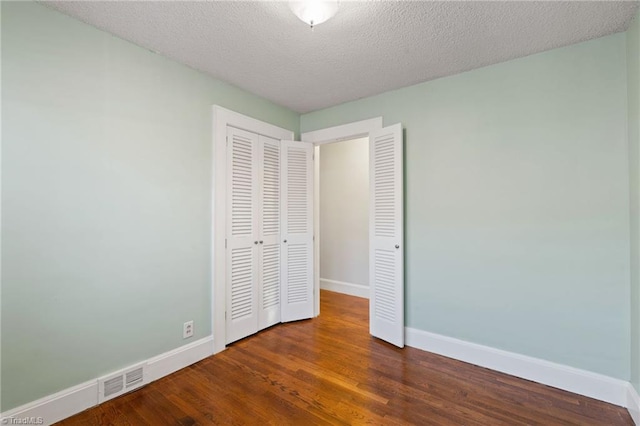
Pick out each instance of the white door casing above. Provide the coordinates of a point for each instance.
(386, 235)
(296, 198)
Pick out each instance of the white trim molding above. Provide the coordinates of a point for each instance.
(342, 133)
(70, 401)
(633, 403)
(582, 382)
(56, 407)
(352, 289)
(222, 118)
(179, 358)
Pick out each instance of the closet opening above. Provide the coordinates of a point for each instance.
(385, 223)
(344, 217)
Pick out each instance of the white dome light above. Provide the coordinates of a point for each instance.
(314, 12)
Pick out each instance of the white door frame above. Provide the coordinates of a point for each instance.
(222, 118)
(344, 132)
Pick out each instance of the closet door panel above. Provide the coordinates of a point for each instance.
(242, 267)
(386, 235)
(269, 293)
(297, 231)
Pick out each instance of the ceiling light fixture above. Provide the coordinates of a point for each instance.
(314, 12)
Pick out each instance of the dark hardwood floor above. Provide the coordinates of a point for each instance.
(330, 371)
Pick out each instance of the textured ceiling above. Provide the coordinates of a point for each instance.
(366, 49)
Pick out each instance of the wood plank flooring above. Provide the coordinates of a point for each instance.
(330, 371)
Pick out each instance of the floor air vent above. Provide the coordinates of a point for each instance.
(134, 378)
(113, 386)
(121, 382)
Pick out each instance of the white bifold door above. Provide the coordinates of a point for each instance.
(269, 233)
(297, 231)
(386, 232)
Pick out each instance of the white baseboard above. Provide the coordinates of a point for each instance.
(56, 407)
(633, 403)
(582, 382)
(357, 290)
(68, 402)
(179, 358)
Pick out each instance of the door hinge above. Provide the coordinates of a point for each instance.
(227, 140)
(225, 243)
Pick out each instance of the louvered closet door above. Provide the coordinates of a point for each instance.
(386, 230)
(242, 243)
(269, 246)
(297, 231)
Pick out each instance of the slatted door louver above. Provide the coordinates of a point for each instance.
(241, 270)
(297, 231)
(386, 232)
(270, 226)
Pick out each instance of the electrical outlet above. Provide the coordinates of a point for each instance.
(187, 329)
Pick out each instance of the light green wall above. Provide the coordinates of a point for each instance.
(633, 96)
(517, 203)
(106, 195)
